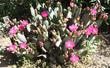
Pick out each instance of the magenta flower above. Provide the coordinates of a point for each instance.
(88, 31)
(21, 27)
(92, 29)
(74, 58)
(95, 30)
(24, 23)
(11, 48)
(23, 45)
(44, 13)
(13, 30)
(73, 28)
(93, 11)
(69, 44)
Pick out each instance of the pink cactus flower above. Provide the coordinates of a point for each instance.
(88, 31)
(93, 11)
(74, 58)
(95, 30)
(13, 30)
(23, 45)
(44, 13)
(73, 28)
(11, 48)
(92, 29)
(69, 44)
(21, 27)
(24, 23)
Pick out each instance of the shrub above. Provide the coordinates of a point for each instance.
(55, 35)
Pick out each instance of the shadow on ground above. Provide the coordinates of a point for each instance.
(7, 59)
